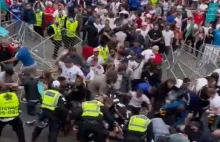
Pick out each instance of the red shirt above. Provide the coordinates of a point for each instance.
(198, 18)
(158, 58)
(8, 2)
(10, 49)
(49, 18)
(138, 21)
(87, 51)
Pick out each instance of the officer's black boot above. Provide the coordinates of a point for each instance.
(52, 137)
(36, 133)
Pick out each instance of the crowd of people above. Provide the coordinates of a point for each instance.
(114, 88)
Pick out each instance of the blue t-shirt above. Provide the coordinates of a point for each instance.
(216, 35)
(144, 87)
(170, 19)
(25, 57)
(16, 10)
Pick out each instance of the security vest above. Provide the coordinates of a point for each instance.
(9, 105)
(50, 99)
(92, 108)
(61, 20)
(57, 33)
(138, 123)
(71, 28)
(38, 16)
(103, 52)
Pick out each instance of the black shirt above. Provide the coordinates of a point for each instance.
(155, 34)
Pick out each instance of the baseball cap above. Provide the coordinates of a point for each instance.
(56, 84)
(179, 137)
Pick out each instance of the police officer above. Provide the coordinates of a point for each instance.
(53, 113)
(139, 128)
(71, 26)
(39, 16)
(9, 114)
(55, 31)
(91, 116)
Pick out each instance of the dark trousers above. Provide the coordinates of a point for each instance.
(39, 30)
(31, 108)
(53, 123)
(98, 130)
(57, 45)
(134, 110)
(131, 138)
(69, 42)
(17, 127)
(166, 51)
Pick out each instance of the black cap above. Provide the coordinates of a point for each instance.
(9, 69)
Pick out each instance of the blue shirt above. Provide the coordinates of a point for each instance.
(144, 87)
(137, 50)
(16, 10)
(170, 19)
(25, 57)
(216, 35)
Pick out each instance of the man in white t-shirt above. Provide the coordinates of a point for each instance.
(149, 53)
(214, 101)
(69, 70)
(137, 99)
(203, 7)
(168, 36)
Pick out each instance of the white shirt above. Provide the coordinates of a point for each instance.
(100, 11)
(111, 22)
(137, 70)
(200, 82)
(165, 6)
(90, 76)
(215, 102)
(145, 32)
(217, 26)
(137, 102)
(167, 35)
(217, 71)
(121, 36)
(117, 84)
(100, 60)
(98, 69)
(70, 73)
(178, 22)
(56, 13)
(148, 54)
(203, 7)
(115, 6)
(116, 63)
(206, 29)
(99, 26)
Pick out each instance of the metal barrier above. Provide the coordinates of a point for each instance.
(192, 63)
(46, 48)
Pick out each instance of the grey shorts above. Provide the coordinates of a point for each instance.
(31, 69)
